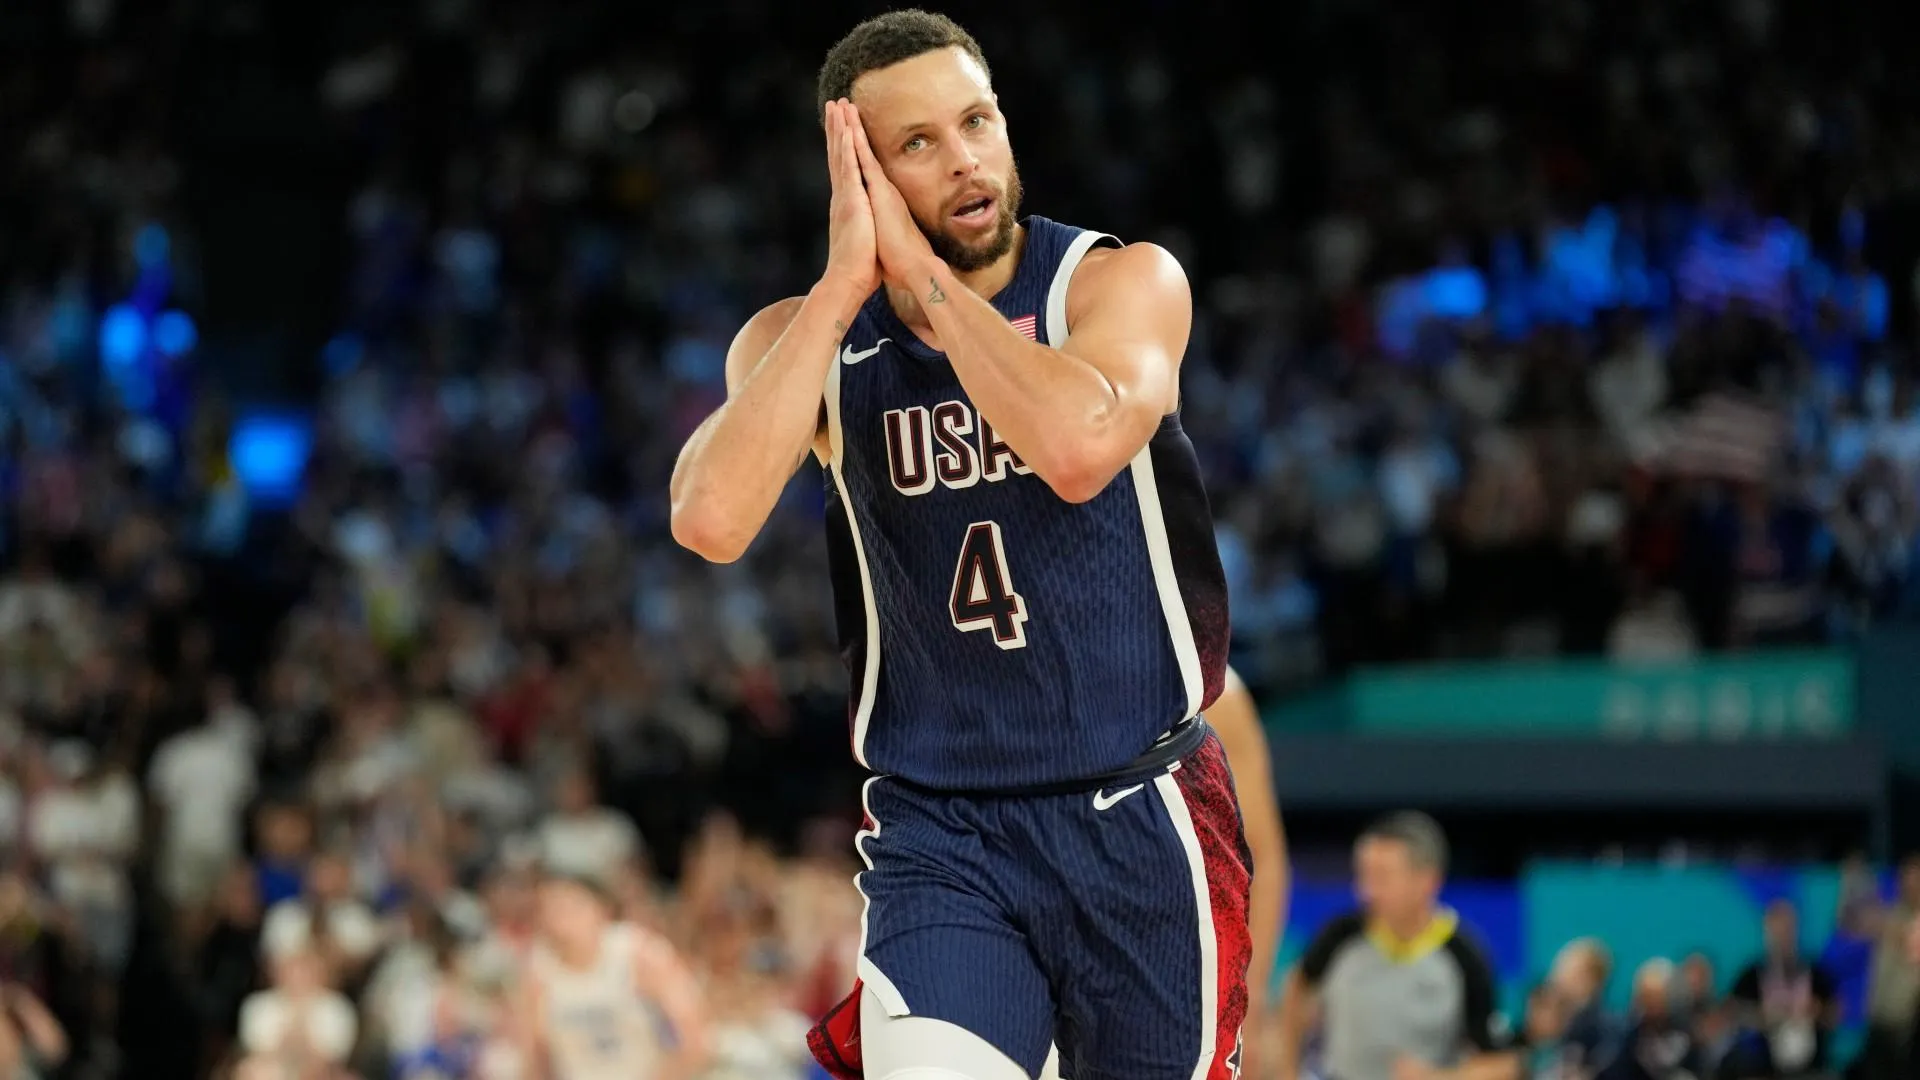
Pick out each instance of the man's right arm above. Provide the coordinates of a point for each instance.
(737, 462)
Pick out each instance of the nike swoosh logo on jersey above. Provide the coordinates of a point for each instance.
(849, 356)
(1104, 801)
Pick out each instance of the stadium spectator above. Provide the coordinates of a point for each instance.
(583, 835)
(1893, 993)
(327, 919)
(1789, 1002)
(201, 780)
(300, 1024)
(226, 964)
(84, 829)
(1589, 1038)
(1707, 1014)
(1657, 1044)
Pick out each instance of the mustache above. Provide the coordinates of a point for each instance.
(996, 192)
(963, 258)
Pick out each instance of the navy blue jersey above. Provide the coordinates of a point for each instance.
(999, 636)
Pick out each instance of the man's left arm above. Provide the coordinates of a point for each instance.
(1079, 412)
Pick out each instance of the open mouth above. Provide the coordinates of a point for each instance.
(975, 209)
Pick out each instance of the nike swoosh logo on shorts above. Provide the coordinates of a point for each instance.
(1104, 801)
(849, 356)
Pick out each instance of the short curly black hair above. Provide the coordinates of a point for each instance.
(886, 40)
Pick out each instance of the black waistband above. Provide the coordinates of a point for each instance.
(1183, 739)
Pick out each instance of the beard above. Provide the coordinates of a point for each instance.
(964, 257)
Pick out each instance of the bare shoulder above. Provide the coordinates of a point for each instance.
(758, 335)
(1122, 277)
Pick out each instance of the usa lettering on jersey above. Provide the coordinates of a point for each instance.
(949, 445)
(952, 445)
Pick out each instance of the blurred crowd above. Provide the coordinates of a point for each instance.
(1522, 328)
(1780, 1015)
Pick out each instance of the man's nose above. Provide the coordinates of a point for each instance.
(962, 160)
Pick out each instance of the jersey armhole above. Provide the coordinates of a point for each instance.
(1070, 259)
(821, 448)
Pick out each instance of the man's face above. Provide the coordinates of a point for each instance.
(569, 912)
(1390, 883)
(575, 794)
(1698, 973)
(330, 878)
(937, 131)
(1782, 930)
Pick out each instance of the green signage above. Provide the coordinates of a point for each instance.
(1787, 694)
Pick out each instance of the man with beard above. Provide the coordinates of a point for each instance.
(1030, 599)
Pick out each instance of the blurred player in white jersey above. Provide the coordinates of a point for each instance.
(605, 999)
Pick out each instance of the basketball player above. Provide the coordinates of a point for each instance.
(1029, 595)
(606, 1000)
(1236, 719)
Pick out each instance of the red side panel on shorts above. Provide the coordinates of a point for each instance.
(1207, 785)
(835, 1040)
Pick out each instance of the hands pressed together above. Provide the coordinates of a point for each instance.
(872, 236)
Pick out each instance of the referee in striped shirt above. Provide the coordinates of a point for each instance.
(1402, 993)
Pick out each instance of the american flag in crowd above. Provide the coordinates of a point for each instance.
(1723, 436)
(1025, 324)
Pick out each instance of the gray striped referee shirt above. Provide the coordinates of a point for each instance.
(1431, 999)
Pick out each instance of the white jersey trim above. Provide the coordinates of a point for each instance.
(1182, 818)
(872, 978)
(1186, 651)
(1146, 489)
(1077, 249)
(870, 678)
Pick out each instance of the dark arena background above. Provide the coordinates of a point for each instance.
(1553, 376)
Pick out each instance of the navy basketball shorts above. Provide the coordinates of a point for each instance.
(1111, 921)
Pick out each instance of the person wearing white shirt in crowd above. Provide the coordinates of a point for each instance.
(85, 827)
(1628, 387)
(411, 988)
(327, 918)
(202, 779)
(756, 1034)
(300, 1023)
(583, 837)
(512, 908)
(34, 597)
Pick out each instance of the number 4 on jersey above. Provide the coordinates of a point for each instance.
(983, 596)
